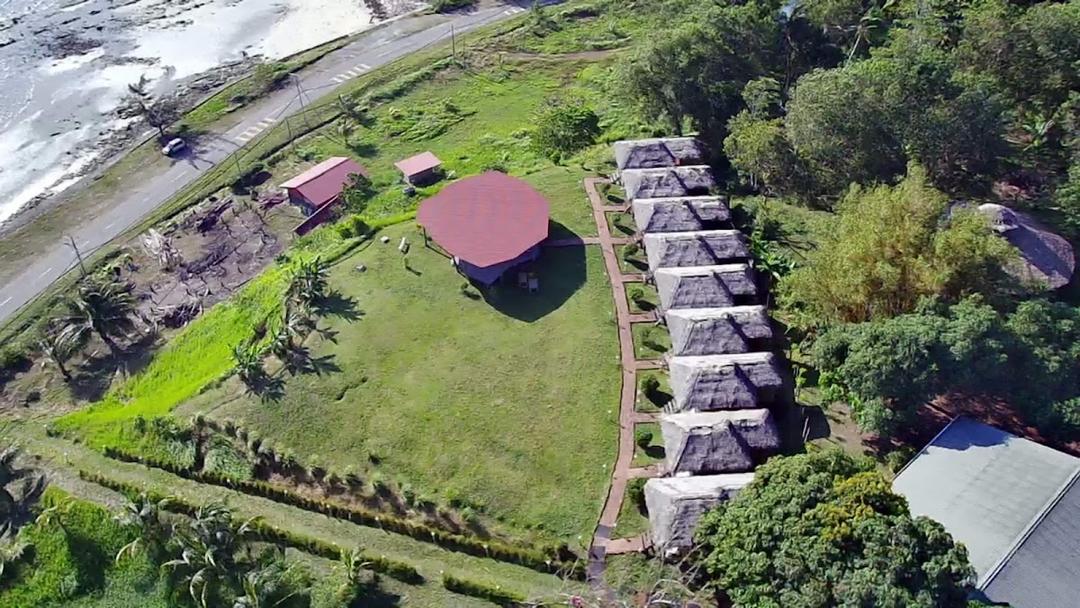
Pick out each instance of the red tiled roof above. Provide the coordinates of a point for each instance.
(418, 164)
(486, 219)
(321, 183)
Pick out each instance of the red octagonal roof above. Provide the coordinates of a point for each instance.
(487, 219)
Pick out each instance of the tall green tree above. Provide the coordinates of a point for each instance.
(890, 248)
(822, 529)
(695, 71)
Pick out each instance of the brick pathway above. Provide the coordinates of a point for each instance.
(602, 543)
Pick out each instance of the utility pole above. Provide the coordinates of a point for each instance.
(300, 96)
(292, 142)
(453, 41)
(78, 254)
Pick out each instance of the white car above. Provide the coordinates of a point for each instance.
(173, 147)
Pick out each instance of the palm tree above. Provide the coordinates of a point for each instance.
(345, 128)
(59, 347)
(144, 516)
(266, 587)
(12, 551)
(247, 363)
(54, 515)
(207, 547)
(14, 503)
(103, 307)
(309, 281)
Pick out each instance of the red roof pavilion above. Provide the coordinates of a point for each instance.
(487, 220)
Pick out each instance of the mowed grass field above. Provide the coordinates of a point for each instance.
(506, 405)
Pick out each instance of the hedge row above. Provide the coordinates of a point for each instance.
(556, 560)
(493, 594)
(267, 533)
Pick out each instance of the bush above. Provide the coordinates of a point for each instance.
(564, 126)
(650, 386)
(493, 594)
(630, 251)
(643, 438)
(636, 294)
(443, 6)
(635, 493)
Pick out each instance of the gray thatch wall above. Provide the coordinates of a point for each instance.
(718, 331)
(660, 152)
(725, 382)
(685, 214)
(717, 442)
(704, 286)
(676, 505)
(668, 182)
(701, 248)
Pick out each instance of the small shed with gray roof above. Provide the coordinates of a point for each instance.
(683, 214)
(1015, 505)
(668, 182)
(699, 248)
(660, 152)
(719, 331)
(705, 286)
(704, 443)
(726, 382)
(676, 505)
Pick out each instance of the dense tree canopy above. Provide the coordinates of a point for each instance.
(820, 530)
(891, 246)
(888, 369)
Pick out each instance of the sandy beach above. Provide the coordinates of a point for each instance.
(66, 64)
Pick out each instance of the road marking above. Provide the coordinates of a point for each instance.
(5, 301)
(364, 66)
(514, 11)
(109, 225)
(338, 79)
(47, 271)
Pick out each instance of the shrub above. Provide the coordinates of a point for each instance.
(636, 294)
(643, 437)
(443, 6)
(494, 594)
(631, 251)
(564, 126)
(650, 386)
(635, 493)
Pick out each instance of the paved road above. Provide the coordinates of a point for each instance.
(374, 49)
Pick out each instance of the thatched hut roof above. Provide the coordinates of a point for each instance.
(676, 505)
(696, 180)
(1045, 257)
(704, 286)
(699, 248)
(718, 331)
(717, 442)
(725, 382)
(660, 152)
(683, 214)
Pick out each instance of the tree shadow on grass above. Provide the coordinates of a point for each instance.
(301, 361)
(654, 451)
(336, 304)
(90, 381)
(561, 272)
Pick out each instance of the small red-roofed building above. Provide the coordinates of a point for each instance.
(488, 224)
(319, 189)
(421, 169)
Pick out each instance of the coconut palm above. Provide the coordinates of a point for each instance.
(207, 546)
(247, 363)
(12, 551)
(59, 347)
(103, 307)
(309, 282)
(14, 503)
(144, 516)
(269, 586)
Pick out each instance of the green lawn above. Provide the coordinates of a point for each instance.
(651, 341)
(631, 521)
(507, 405)
(652, 453)
(649, 300)
(653, 403)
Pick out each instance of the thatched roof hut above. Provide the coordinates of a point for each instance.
(659, 152)
(668, 182)
(1045, 257)
(718, 442)
(684, 214)
(676, 505)
(725, 382)
(719, 331)
(699, 248)
(705, 286)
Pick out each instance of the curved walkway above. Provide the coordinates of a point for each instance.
(602, 542)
